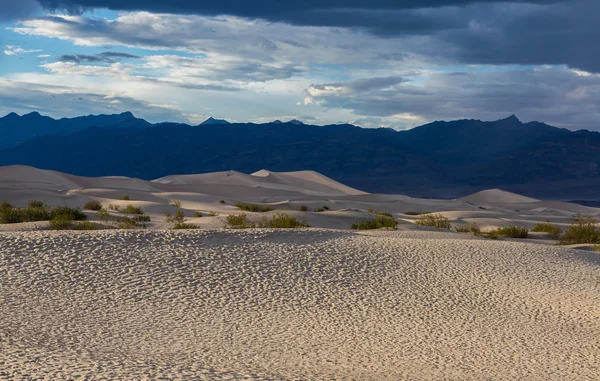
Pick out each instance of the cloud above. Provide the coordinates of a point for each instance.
(17, 9)
(11, 50)
(555, 95)
(106, 57)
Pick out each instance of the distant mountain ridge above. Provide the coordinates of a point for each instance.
(15, 129)
(439, 159)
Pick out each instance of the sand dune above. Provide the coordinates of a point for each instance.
(310, 304)
(283, 191)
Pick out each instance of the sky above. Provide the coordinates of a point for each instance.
(373, 63)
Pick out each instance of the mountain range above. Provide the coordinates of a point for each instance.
(439, 159)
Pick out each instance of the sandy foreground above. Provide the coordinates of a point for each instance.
(306, 304)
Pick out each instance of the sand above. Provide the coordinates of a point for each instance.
(308, 304)
(285, 192)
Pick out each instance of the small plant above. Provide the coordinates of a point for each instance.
(222, 202)
(239, 221)
(74, 213)
(183, 225)
(104, 215)
(131, 209)
(378, 223)
(36, 204)
(114, 207)
(197, 214)
(471, 228)
(176, 203)
(303, 208)
(212, 214)
(381, 213)
(61, 222)
(583, 229)
(547, 227)
(492, 234)
(125, 197)
(93, 205)
(177, 218)
(325, 207)
(514, 231)
(436, 221)
(257, 208)
(319, 210)
(6, 205)
(282, 221)
(85, 225)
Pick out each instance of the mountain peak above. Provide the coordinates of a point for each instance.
(128, 115)
(12, 115)
(34, 114)
(212, 120)
(513, 118)
(295, 121)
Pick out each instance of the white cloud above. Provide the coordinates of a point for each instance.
(11, 50)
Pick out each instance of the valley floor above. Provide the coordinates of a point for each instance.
(302, 304)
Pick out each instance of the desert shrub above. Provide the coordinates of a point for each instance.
(583, 229)
(123, 222)
(125, 197)
(35, 204)
(221, 201)
(141, 218)
(470, 228)
(74, 213)
(514, 231)
(176, 218)
(176, 203)
(132, 209)
(239, 221)
(547, 227)
(378, 223)
(183, 225)
(114, 207)
(303, 208)
(30, 214)
(61, 222)
(197, 214)
(325, 207)
(381, 213)
(92, 205)
(436, 221)
(319, 210)
(257, 208)
(104, 215)
(282, 221)
(212, 214)
(6, 205)
(10, 216)
(86, 225)
(492, 234)
(415, 213)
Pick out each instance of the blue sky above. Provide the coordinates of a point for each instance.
(376, 63)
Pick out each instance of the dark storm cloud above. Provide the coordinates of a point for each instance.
(15, 9)
(106, 57)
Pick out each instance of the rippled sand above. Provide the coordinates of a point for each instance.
(312, 304)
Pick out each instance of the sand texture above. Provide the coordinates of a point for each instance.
(306, 304)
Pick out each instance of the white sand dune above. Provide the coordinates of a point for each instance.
(284, 191)
(310, 304)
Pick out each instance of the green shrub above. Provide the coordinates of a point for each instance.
(282, 221)
(176, 203)
(471, 228)
(257, 208)
(114, 207)
(10, 216)
(378, 223)
(85, 225)
(492, 234)
(221, 201)
(177, 218)
(123, 222)
(104, 215)
(61, 222)
(583, 229)
(92, 205)
(185, 226)
(239, 221)
(197, 214)
(141, 218)
(436, 221)
(547, 227)
(131, 209)
(74, 213)
(125, 197)
(303, 208)
(381, 213)
(6, 205)
(35, 204)
(514, 231)
(35, 214)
